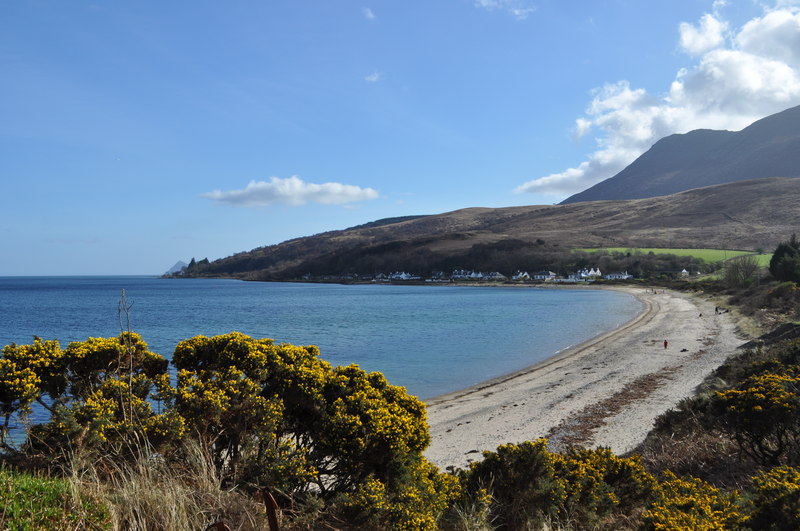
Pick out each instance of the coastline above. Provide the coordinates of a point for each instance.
(606, 391)
(558, 356)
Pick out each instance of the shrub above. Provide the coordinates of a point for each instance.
(741, 271)
(773, 499)
(530, 486)
(597, 482)
(101, 394)
(335, 427)
(19, 387)
(25, 372)
(425, 495)
(762, 415)
(521, 481)
(267, 416)
(785, 261)
(690, 504)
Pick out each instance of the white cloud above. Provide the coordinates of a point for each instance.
(368, 13)
(740, 76)
(582, 126)
(292, 191)
(520, 9)
(709, 35)
(776, 35)
(374, 77)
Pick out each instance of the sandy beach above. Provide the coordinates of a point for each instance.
(604, 392)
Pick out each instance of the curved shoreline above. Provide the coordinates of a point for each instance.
(647, 313)
(605, 391)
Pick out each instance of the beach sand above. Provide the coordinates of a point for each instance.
(604, 392)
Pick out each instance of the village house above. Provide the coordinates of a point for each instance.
(495, 277)
(403, 276)
(584, 275)
(461, 274)
(437, 276)
(618, 276)
(587, 274)
(521, 275)
(544, 276)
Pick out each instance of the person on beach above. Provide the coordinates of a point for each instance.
(666, 343)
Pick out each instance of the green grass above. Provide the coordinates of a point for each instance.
(707, 255)
(763, 259)
(31, 503)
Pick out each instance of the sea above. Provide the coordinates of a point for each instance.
(432, 339)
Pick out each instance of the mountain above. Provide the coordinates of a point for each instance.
(769, 147)
(740, 215)
(179, 265)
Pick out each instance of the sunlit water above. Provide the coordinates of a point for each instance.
(430, 339)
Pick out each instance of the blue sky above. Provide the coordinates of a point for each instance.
(136, 134)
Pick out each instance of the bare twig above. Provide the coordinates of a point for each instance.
(124, 308)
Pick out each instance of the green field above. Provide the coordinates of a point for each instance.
(707, 255)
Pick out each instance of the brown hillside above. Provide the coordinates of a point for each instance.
(742, 215)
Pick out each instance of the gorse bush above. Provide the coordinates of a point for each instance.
(691, 504)
(100, 394)
(598, 482)
(426, 495)
(762, 414)
(773, 500)
(339, 447)
(530, 487)
(269, 416)
(520, 478)
(98, 388)
(771, 503)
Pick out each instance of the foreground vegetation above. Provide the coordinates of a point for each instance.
(256, 435)
(32, 502)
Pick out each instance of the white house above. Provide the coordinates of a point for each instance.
(521, 275)
(495, 276)
(544, 275)
(618, 276)
(403, 276)
(587, 274)
(460, 274)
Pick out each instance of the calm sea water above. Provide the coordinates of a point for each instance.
(431, 339)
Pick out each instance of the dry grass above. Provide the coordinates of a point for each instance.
(149, 495)
(695, 451)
